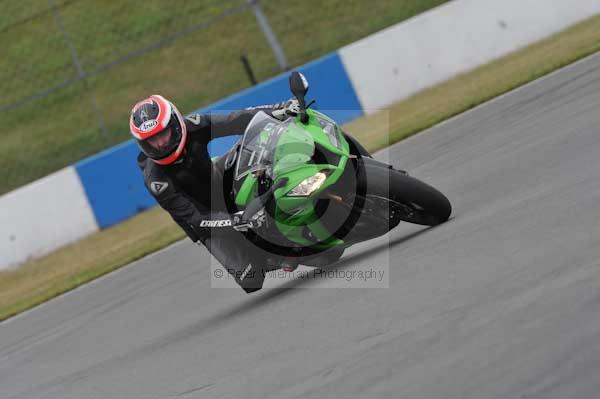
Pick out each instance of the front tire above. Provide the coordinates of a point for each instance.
(415, 201)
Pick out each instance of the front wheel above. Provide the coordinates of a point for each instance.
(409, 199)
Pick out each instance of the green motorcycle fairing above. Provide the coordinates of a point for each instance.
(287, 150)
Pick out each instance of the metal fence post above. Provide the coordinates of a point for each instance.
(270, 35)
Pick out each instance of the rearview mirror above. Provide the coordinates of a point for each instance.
(298, 85)
(299, 88)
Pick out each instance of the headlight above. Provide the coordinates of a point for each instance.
(308, 185)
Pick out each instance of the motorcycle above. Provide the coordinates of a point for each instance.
(303, 188)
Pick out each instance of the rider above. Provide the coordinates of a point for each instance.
(180, 175)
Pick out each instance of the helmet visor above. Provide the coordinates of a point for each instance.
(163, 143)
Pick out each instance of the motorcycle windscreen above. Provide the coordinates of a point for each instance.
(269, 143)
(258, 144)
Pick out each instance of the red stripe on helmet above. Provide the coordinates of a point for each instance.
(164, 110)
(177, 153)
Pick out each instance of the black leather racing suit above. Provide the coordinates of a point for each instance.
(190, 188)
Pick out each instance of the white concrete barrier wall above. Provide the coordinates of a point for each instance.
(432, 47)
(42, 216)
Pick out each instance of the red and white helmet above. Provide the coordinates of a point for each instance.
(159, 129)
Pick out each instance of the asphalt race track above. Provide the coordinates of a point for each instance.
(503, 301)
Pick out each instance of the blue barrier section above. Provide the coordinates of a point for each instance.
(113, 182)
(114, 185)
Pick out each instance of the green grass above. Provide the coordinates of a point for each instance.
(195, 70)
(41, 279)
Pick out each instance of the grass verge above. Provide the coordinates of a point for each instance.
(41, 279)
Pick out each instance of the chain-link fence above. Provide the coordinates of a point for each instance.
(71, 69)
